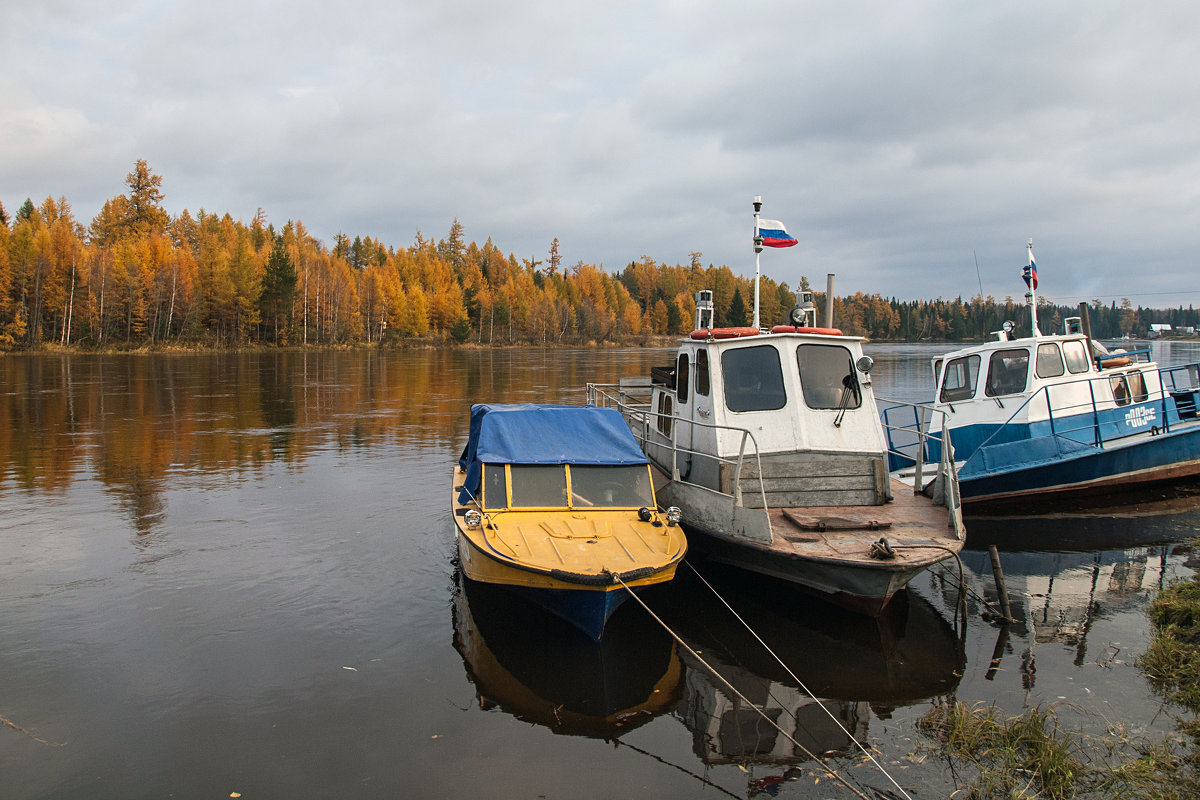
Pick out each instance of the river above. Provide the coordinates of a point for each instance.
(232, 574)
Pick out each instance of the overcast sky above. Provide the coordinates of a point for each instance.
(900, 142)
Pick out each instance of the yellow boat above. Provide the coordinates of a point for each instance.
(556, 503)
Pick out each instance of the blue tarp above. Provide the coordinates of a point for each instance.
(526, 433)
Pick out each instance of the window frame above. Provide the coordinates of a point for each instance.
(973, 362)
(1072, 351)
(1057, 352)
(682, 377)
(992, 390)
(703, 379)
(506, 470)
(743, 394)
(856, 389)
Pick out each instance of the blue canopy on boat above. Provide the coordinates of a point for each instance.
(527, 433)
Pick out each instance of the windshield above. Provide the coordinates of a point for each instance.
(753, 379)
(827, 376)
(592, 486)
(611, 486)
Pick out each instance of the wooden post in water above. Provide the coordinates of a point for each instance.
(1001, 590)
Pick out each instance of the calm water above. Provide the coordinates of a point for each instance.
(234, 573)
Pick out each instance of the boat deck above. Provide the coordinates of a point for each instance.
(917, 529)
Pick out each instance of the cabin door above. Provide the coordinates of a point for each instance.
(685, 412)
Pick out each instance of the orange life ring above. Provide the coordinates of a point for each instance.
(723, 333)
(794, 329)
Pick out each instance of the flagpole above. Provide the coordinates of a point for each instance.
(758, 246)
(1031, 295)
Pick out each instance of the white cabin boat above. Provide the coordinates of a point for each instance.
(771, 443)
(1045, 417)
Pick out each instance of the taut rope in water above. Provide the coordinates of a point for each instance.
(828, 770)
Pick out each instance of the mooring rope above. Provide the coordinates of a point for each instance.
(832, 773)
(964, 587)
(799, 682)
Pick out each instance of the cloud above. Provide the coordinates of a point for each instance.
(898, 142)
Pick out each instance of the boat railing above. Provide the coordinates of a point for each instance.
(1122, 358)
(1091, 422)
(632, 400)
(909, 429)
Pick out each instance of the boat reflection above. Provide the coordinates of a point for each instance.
(856, 665)
(1058, 597)
(540, 669)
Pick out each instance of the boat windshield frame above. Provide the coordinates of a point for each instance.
(821, 390)
(751, 381)
(536, 487)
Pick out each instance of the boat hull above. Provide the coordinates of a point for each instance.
(585, 601)
(833, 565)
(1119, 465)
(865, 590)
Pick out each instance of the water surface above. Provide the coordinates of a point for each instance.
(234, 573)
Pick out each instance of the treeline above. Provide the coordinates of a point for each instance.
(134, 276)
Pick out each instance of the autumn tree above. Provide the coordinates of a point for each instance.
(145, 215)
(278, 290)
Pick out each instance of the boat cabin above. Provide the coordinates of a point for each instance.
(1061, 385)
(737, 394)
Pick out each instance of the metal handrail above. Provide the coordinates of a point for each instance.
(1158, 395)
(923, 416)
(596, 392)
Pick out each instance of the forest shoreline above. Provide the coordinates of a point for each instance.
(425, 343)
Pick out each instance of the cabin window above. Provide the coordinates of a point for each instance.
(539, 485)
(665, 411)
(1129, 388)
(1137, 387)
(702, 373)
(1120, 390)
(681, 378)
(1077, 357)
(1049, 361)
(937, 370)
(618, 486)
(959, 381)
(827, 376)
(753, 379)
(495, 486)
(1008, 372)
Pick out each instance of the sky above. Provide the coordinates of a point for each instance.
(913, 148)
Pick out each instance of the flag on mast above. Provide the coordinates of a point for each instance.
(774, 234)
(1030, 275)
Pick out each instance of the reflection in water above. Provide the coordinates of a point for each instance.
(540, 669)
(532, 666)
(137, 422)
(855, 664)
(1059, 597)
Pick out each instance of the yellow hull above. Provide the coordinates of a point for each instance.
(580, 549)
(575, 562)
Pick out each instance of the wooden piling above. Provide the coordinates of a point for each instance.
(1001, 590)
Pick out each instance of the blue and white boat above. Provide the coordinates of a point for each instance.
(1044, 417)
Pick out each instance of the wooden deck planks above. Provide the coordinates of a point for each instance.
(907, 520)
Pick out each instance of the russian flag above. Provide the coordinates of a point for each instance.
(1031, 272)
(774, 234)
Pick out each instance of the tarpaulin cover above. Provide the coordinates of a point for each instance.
(527, 433)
